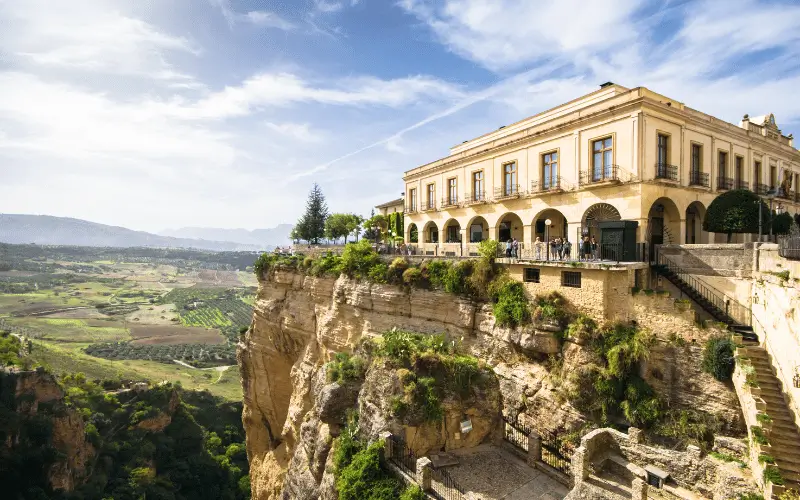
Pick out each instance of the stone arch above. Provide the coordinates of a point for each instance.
(430, 233)
(695, 214)
(413, 233)
(594, 215)
(509, 225)
(558, 228)
(663, 223)
(451, 231)
(477, 229)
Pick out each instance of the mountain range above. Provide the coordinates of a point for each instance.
(49, 230)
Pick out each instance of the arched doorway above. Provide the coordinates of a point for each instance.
(452, 231)
(594, 215)
(663, 223)
(413, 233)
(695, 214)
(509, 226)
(430, 233)
(558, 225)
(477, 230)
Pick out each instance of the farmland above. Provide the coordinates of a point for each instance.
(138, 312)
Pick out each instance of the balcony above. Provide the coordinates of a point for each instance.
(509, 191)
(760, 189)
(473, 198)
(411, 209)
(740, 184)
(427, 206)
(608, 173)
(449, 201)
(698, 178)
(666, 172)
(724, 183)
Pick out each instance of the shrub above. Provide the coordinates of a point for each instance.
(412, 276)
(550, 307)
(437, 271)
(413, 492)
(751, 496)
(308, 262)
(758, 435)
(718, 358)
(582, 328)
(510, 305)
(363, 477)
(773, 475)
(378, 273)
(480, 279)
(328, 264)
(455, 280)
(789, 495)
(766, 459)
(345, 368)
(735, 211)
(397, 269)
(262, 264)
(359, 258)
(763, 418)
(487, 249)
(689, 426)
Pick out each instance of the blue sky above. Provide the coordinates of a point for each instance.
(165, 113)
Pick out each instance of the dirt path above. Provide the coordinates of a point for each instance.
(220, 369)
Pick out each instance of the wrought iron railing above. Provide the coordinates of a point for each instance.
(410, 209)
(506, 191)
(789, 247)
(603, 174)
(698, 178)
(785, 194)
(724, 183)
(475, 197)
(759, 188)
(740, 184)
(402, 456)
(554, 453)
(449, 201)
(428, 205)
(516, 433)
(551, 184)
(444, 487)
(665, 171)
(728, 310)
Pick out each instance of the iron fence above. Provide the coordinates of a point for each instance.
(668, 172)
(516, 433)
(402, 456)
(698, 178)
(760, 188)
(554, 453)
(444, 487)
(789, 247)
(475, 197)
(428, 205)
(507, 191)
(724, 183)
(600, 174)
(740, 184)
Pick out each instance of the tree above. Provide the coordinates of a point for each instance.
(294, 235)
(782, 223)
(354, 225)
(311, 226)
(736, 211)
(378, 224)
(370, 232)
(336, 226)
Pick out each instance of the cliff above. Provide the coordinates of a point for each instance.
(300, 322)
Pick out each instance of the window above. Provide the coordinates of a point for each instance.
(571, 279)
(509, 178)
(757, 173)
(773, 177)
(431, 196)
(550, 170)
(663, 149)
(531, 275)
(697, 155)
(477, 185)
(739, 173)
(412, 199)
(723, 164)
(602, 159)
(452, 191)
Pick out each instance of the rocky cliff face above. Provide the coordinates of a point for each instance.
(291, 415)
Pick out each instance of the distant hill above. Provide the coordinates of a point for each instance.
(49, 230)
(276, 236)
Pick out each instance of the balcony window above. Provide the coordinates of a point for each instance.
(697, 155)
(510, 179)
(550, 170)
(773, 177)
(739, 173)
(663, 149)
(477, 185)
(757, 173)
(412, 200)
(723, 164)
(431, 196)
(602, 159)
(452, 191)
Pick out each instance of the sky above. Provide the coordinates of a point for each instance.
(161, 114)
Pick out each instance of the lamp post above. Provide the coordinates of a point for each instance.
(770, 196)
(547, 223)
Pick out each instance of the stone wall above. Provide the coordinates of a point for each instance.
(728, 260)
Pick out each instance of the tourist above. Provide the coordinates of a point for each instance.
(595, 249)
(515, 248)
(508, 248)
(537, 248)
(586, 248)
(567, 249)
(553, 248)
(559, 248)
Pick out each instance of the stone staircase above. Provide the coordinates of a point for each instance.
(784, 435)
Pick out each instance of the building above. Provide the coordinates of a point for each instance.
(613, 154)
(391, 207)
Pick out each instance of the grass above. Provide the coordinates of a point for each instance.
(70, 330)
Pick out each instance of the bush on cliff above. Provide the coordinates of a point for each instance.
(510, 305)
(359, 258)
(718, 359)
(345, 368)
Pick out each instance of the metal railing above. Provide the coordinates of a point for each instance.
(449, 201)
(604, 174)
(402, 456)
(740, 184)
(506, 191)
(598, 252)
(411, 209)
(516, 433)
(727, 310)
(698, 178)
(759, 188)
(425, 205)
(444, 487)
(666, 171)
(554, 453)
(789, 247)
(724, 183)
(475, 197)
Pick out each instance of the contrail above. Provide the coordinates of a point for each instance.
(464, 103)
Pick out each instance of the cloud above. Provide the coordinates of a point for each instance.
(89, 36)
(299, 131)
(257, 17)
(327, 7)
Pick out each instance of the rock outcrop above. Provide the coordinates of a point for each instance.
(291, 415)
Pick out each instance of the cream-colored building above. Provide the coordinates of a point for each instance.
(613, 154)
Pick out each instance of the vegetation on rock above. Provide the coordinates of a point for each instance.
(718, 359)
(345, 368)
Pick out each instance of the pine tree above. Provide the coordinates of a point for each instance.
(311, 225)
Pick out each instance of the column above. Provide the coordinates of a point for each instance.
(580, 465)
(682, 236)
(424, 473)
(534, 448)
(638, 489)
(464, 233)
(526, 245)
(388, 448)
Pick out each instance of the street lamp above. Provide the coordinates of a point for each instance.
(770, 196)
(547, 236)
